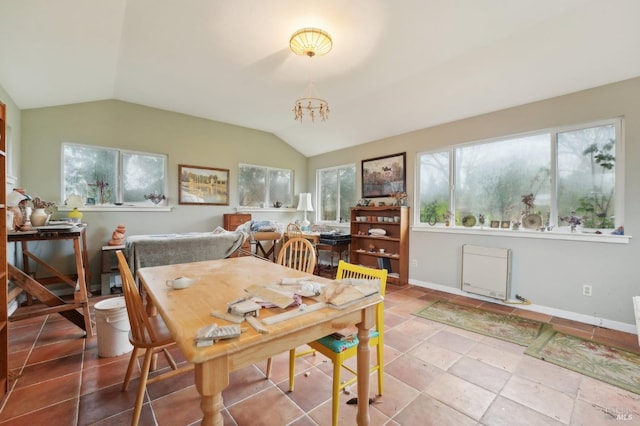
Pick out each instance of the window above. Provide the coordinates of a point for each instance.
(336, 192)
(105, 176)
(260, 186)
(568, 171)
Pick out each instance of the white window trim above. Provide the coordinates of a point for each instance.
(555, 233)
(317, 200)
(114, 207)
(268, 202)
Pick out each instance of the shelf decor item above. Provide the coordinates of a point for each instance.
(529, 219)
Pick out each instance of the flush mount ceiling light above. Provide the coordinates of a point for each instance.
(310, 42)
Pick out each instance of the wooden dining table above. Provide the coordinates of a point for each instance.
(222, 281)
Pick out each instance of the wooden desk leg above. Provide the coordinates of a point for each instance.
(85, 262)
(211, 379)
(84, 299)
(368, 320)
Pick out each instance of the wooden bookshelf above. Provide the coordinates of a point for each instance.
(391, 250)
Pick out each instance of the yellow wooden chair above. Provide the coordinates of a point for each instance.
(147, 333)
(341, 350)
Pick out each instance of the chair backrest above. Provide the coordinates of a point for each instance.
(298, 253)
(349, 270)
(141, 329)
(293, 231)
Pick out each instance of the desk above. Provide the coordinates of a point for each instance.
(36, 287)
(338, 249)
(220, 281)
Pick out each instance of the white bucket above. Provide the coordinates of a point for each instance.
(113, 327)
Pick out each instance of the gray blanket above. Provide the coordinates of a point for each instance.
(169, 249)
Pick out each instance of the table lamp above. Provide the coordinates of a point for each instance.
(75, 202)
(304, 204)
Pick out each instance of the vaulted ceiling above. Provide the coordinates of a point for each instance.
(395, 66)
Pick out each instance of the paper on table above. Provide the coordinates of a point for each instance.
(340, 293)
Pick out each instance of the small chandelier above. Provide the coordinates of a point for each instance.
(310, 42)
(312, 104)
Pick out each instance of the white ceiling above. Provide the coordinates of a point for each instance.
(396, 66)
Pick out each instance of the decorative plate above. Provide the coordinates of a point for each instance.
(469, 221)
(531, 221)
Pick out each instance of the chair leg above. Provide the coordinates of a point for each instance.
(269, 364)
(292, 369)
(142, 386)
(335, 398)
(127, 376)
(380, 351)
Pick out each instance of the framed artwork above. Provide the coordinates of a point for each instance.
(383, 175)
(205, 186)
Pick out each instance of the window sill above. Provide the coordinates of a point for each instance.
(122, 208)
(523, 233)
(265, 209)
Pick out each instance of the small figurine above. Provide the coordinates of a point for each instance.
(117, 238)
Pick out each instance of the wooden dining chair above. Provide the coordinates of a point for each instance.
(299, 254)
(293, 231)
(340, 350)
(148, 333)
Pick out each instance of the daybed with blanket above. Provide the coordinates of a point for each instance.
(169, 249)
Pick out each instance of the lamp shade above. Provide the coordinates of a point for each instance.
(304, 205)
(310, 42)
(304, 202)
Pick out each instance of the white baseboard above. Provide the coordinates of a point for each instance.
(587, 319)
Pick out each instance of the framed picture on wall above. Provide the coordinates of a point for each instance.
(205, 186)
(383, 175)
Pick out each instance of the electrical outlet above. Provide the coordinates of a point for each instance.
(587, 290)
(414, 263)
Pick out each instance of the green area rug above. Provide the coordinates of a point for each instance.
(602, 362)
(502, 326)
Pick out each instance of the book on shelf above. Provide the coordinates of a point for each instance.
(384, 263)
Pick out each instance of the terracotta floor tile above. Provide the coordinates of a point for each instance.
(275, 408)
(30, 398)
(434, 374)
(505, 412)
(53, 369)
(540, 398)
(481, 374)
(427, 411)
(467, 398)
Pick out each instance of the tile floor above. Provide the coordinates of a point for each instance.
(435, 375)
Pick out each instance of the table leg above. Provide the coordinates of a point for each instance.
(211, 378)
(368, 320)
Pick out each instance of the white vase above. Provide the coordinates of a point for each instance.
(38, 217)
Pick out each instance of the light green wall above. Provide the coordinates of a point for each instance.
(548, 272)
(185, 139)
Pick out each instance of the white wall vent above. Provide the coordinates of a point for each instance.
(486, 271)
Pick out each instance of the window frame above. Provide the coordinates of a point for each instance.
(267, 202)
(319, 193)
(553, 132)
(128, 206)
